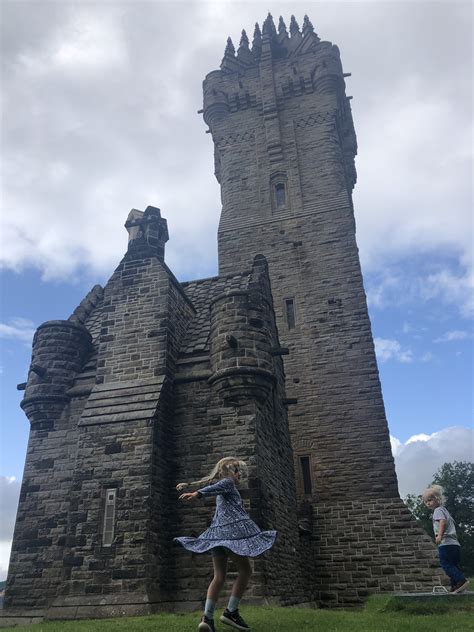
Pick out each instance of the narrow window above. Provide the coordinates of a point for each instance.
(109, 517)
(280, 195)
(279, 192)
(306, 473)
(290, 313)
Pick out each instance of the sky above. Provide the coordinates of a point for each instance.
(99, 116)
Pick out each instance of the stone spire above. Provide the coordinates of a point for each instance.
(244, 40)
(243, 54)
(307, 26)
(294, 26)
(269, 26)
(282, 27)
(229, 49)
(229, 61)
(257, 42)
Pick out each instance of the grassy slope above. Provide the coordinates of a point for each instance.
(373, 618)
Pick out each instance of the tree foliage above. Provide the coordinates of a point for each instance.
(457, 480)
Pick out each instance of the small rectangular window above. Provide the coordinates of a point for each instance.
(109, 517)
(306, 474)
(280, 195)
(290, 313)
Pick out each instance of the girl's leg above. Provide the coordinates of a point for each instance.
(244, 573)
(219, 560)
(231, 614)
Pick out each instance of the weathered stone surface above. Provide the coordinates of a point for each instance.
(150, 382)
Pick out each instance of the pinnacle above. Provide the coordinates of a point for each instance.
(282, 27)
(280, 40)
(294, 26)
(229, 49)
(269, 26)
(257, 42)
(244, 40)
(307, 26)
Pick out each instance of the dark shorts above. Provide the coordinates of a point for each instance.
(218, 551)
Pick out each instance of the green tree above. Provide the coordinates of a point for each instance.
(457, 480)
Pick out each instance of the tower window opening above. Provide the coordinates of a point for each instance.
(108, 532)
(306, 474)
(290, 313)
(280, 198)
(280, 195)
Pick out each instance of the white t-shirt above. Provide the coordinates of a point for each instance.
(449, 535)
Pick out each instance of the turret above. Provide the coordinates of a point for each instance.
(241, 340)
(328, 75)
(60, 348)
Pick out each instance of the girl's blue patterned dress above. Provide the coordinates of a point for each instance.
(231, 526)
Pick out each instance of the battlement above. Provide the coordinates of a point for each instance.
(281, 43)
(294, 63)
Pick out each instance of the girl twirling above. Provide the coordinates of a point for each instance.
(232, 533)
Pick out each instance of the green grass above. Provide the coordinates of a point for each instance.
(376, 616)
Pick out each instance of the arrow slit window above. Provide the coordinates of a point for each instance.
(108, 532)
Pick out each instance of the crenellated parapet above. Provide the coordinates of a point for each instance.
(281, 43)
(305, 64)
(269, 87)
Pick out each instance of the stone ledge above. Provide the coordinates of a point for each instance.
(14, 617)
(431, 603)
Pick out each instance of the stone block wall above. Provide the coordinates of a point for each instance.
(180, 376)
(235, 405)
(36, 565)
(287, 123)
(124, 443)
(383, 550)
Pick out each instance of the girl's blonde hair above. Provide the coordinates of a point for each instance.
(220, 470)
(437, 491)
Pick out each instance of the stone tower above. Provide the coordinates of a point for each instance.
(151, 381)
(284, 144)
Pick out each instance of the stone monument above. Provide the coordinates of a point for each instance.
(151, 381)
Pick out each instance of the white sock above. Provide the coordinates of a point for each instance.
(209, 608)
(233, 603)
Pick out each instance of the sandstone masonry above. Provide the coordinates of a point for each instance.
(151, 381)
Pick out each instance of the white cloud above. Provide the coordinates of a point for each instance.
(89, 41)
(9, 494)
(396, 445)
(450, 336)
(5, 548)
(428, 357)
(453, 289)
(418, 437)
(400, 285)
(417, 460)
(387, 349)
(18, 328)
(100, 117)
